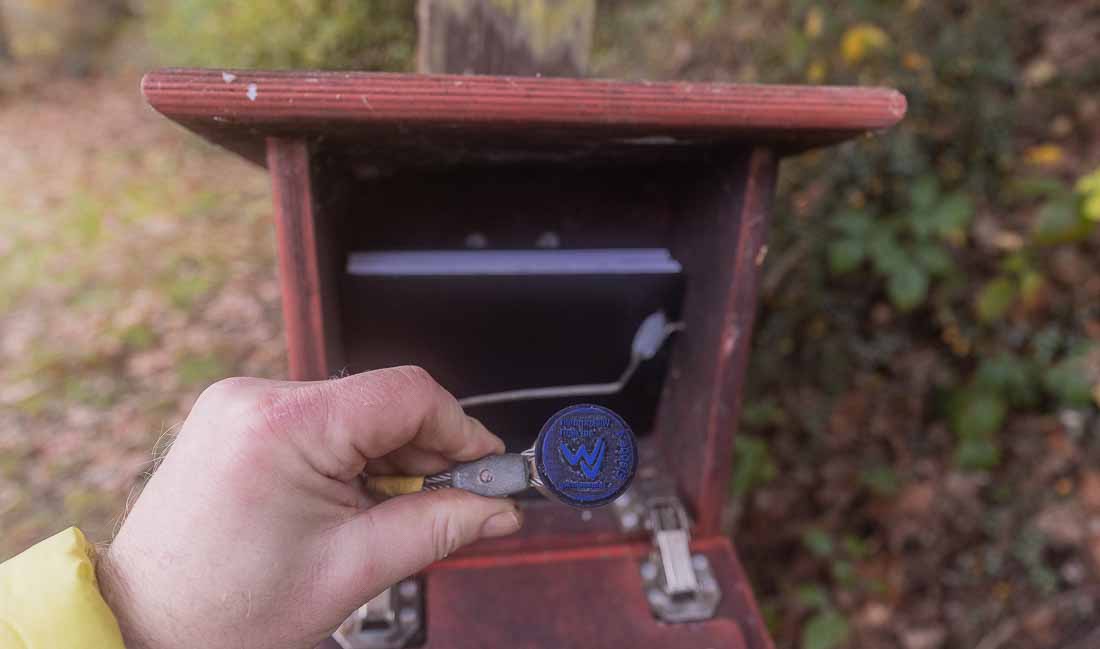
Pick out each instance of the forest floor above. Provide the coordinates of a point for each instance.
(137, 266)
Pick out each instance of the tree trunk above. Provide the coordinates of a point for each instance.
(512, 37)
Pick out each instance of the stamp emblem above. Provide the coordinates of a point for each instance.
(586, 455)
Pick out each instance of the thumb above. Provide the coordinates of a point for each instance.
(404, 535)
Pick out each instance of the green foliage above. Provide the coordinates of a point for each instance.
(960, 237)
(138, 336)
(1028, 550)
(841, 559)
(1068, 216)
(753, 465)
(995, 298)
(906, 251)
(1088, 187)
(363, 34)
(827, 629)
(201, 370)
(1062, 221)
(899, 213)
(761, 413)
(907, 286)
(1009, 381)
(812, 596)
(881, 479)
(978, 452)
(976, 417)
(855, 547)
(1011, 376)
(818, 542)
(1067, 382)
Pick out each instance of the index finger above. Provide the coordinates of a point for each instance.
(367, 416)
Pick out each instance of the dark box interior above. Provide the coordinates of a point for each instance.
(479, 334)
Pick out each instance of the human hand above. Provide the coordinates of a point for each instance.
(255, 531)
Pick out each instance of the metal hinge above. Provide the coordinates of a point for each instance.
(679, 586)
(392, 620)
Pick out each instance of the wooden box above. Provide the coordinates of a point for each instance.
(363, 162)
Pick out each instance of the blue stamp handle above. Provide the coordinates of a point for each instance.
(586, 455)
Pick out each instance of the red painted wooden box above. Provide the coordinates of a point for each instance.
(368, 162)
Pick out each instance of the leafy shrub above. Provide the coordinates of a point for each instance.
(70, 36)
(363, 34)
(950, 223)
(926, 290)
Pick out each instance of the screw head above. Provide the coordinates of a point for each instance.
(485, 476)
(408, 589)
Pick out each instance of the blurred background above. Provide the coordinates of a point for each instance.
(917, 462)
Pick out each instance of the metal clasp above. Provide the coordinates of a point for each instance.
(394, 619)
(680, 587)
(671, 540)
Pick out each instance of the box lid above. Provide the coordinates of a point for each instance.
(405, 119)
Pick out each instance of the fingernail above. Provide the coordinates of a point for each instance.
(500, 524)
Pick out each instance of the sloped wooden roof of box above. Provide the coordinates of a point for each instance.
(404, 119)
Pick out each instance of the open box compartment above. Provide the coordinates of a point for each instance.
(374, 161)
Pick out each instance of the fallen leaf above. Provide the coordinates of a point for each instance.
(914, 61)
(916, 499)
(874, 615)
(1039, 72)
(1094, 551)
(1088, 490)
(1044, 155)
(861, 40)
(931, 637)
(1062, 524)
(815, 21)
(1040, 625)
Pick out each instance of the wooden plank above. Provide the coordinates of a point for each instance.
(305, 277)
(726, 213)
(521, 37)
(590, 597)
(439, 118)
(564, 599)
(578, 597)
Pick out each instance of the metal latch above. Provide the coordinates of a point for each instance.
(392, 620)
(679, 586)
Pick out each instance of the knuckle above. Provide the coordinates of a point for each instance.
(411, 378)
(383, 387)
(226, 392)
(231, 403)
(286, 408)
(416, 375)
(446, 535)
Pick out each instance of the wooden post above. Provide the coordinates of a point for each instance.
(512, 37)
(304, 235)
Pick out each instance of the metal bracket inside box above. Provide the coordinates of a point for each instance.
(679, 586)
(392, 620)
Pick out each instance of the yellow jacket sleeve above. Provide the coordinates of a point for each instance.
(49, 598)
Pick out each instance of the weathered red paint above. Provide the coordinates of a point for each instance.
(304, 279)
(687, 165)
(702, 395)
(402, 114)
(560, 598)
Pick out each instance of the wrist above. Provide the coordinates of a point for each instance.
(118, 595)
